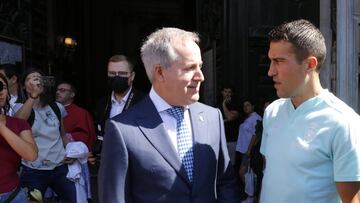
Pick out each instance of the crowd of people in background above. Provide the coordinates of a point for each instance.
(165, 146)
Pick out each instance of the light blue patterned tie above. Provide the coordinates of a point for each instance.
(184, 140)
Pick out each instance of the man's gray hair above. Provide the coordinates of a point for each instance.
(158, 49)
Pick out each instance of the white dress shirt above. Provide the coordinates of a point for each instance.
(118, 106)
(12, 101)
(169, 122)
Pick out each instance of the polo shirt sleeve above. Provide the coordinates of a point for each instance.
(346, 152)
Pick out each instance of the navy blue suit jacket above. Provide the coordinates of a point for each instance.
(140, 165)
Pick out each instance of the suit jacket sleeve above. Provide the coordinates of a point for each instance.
(114, 167)
(226, 185)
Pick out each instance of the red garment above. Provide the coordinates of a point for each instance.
(9, 159)
(79, 123)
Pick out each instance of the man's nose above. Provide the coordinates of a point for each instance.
(272, 70)
(199, 76)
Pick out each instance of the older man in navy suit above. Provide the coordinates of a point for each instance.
(168, 148)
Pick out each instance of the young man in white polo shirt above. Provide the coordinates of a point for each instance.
(311, 139)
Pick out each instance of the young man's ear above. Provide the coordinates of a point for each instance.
(312, 63)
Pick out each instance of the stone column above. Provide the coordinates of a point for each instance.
(346, 59)
(325, 28)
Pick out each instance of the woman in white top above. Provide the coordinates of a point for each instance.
(45, 117)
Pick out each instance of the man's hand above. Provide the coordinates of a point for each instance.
(91, 158)
(226, 100)
(241, 173)
(68, 160)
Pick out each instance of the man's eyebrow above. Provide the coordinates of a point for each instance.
(277, 59)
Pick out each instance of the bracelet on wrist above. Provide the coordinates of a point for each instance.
(33, 97)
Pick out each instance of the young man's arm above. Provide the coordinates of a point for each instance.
(229, 115)
(349, 191)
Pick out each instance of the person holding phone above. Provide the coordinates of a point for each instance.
(16, 143)
(45, 116)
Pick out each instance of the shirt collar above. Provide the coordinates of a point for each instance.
(160, 104)
(123, 100)
(65, 105)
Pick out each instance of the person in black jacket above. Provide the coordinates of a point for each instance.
(120, 77)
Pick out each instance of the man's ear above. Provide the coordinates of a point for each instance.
(312, 63)
(158, 72)
(132, 77)
(72, 95)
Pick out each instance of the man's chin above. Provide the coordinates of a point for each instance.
(281, 94)
(192, 99)
(195, 98)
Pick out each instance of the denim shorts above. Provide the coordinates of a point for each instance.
(19, 198)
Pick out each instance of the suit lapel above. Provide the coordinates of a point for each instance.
(153, 129)
(199, 129)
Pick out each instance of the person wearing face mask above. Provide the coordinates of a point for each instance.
(120, 76)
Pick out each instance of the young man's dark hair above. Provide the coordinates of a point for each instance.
(304, 36)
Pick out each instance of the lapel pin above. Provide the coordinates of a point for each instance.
(201, 118)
